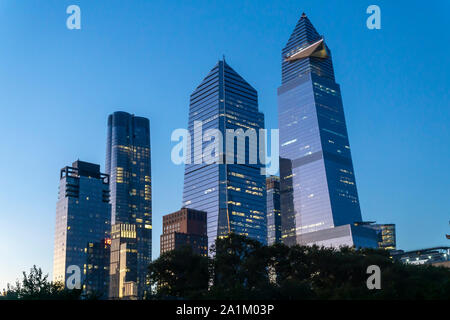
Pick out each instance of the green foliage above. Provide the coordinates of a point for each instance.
(242, 268)
(36, 286)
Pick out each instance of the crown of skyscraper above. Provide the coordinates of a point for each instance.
(305, 52)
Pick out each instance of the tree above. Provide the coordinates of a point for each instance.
(239, 268)
(289, 272)
(179, 274)
(36, 286)
(242, 268)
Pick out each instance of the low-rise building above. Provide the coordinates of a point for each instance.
(185, 227)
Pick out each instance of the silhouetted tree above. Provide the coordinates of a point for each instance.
(239, 268)
(36, 286)
(179, 274)
(242, 268)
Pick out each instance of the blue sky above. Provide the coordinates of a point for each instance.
(57, 87)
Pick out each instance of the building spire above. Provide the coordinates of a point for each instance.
(305, 42)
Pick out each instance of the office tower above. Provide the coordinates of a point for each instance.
(186, 227)
(83, 216)
(319, 199)
(128, 164)
(232, 194)
(273, 210)
(385, 232)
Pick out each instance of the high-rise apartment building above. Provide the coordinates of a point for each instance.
(83, 216)
(186, 227)
(128, 164)
(319, 199)
(232, 194)
(273, 210)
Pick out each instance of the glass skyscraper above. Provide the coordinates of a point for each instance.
(83, 216)
(273, 210)
(319, 199)
(128, 165)
(232, 194)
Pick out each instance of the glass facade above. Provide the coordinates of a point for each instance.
(128, 164)
(232, 194)
(388, 239)
(317, 180)
(98, 255)
(83, 216)
(346, 235)
(386, 234)
(273, 210)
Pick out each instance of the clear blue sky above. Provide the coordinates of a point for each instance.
(57, 87)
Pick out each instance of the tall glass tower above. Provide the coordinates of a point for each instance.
(128, 165)
(273, 210)
(83, 216)
(319, 199)
(232, 194)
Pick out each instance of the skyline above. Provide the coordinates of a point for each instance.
(90, 145)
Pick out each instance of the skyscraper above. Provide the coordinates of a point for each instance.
(128, 164)
(232, 194)
(83, 216)
(273, 210)
(319, 199)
